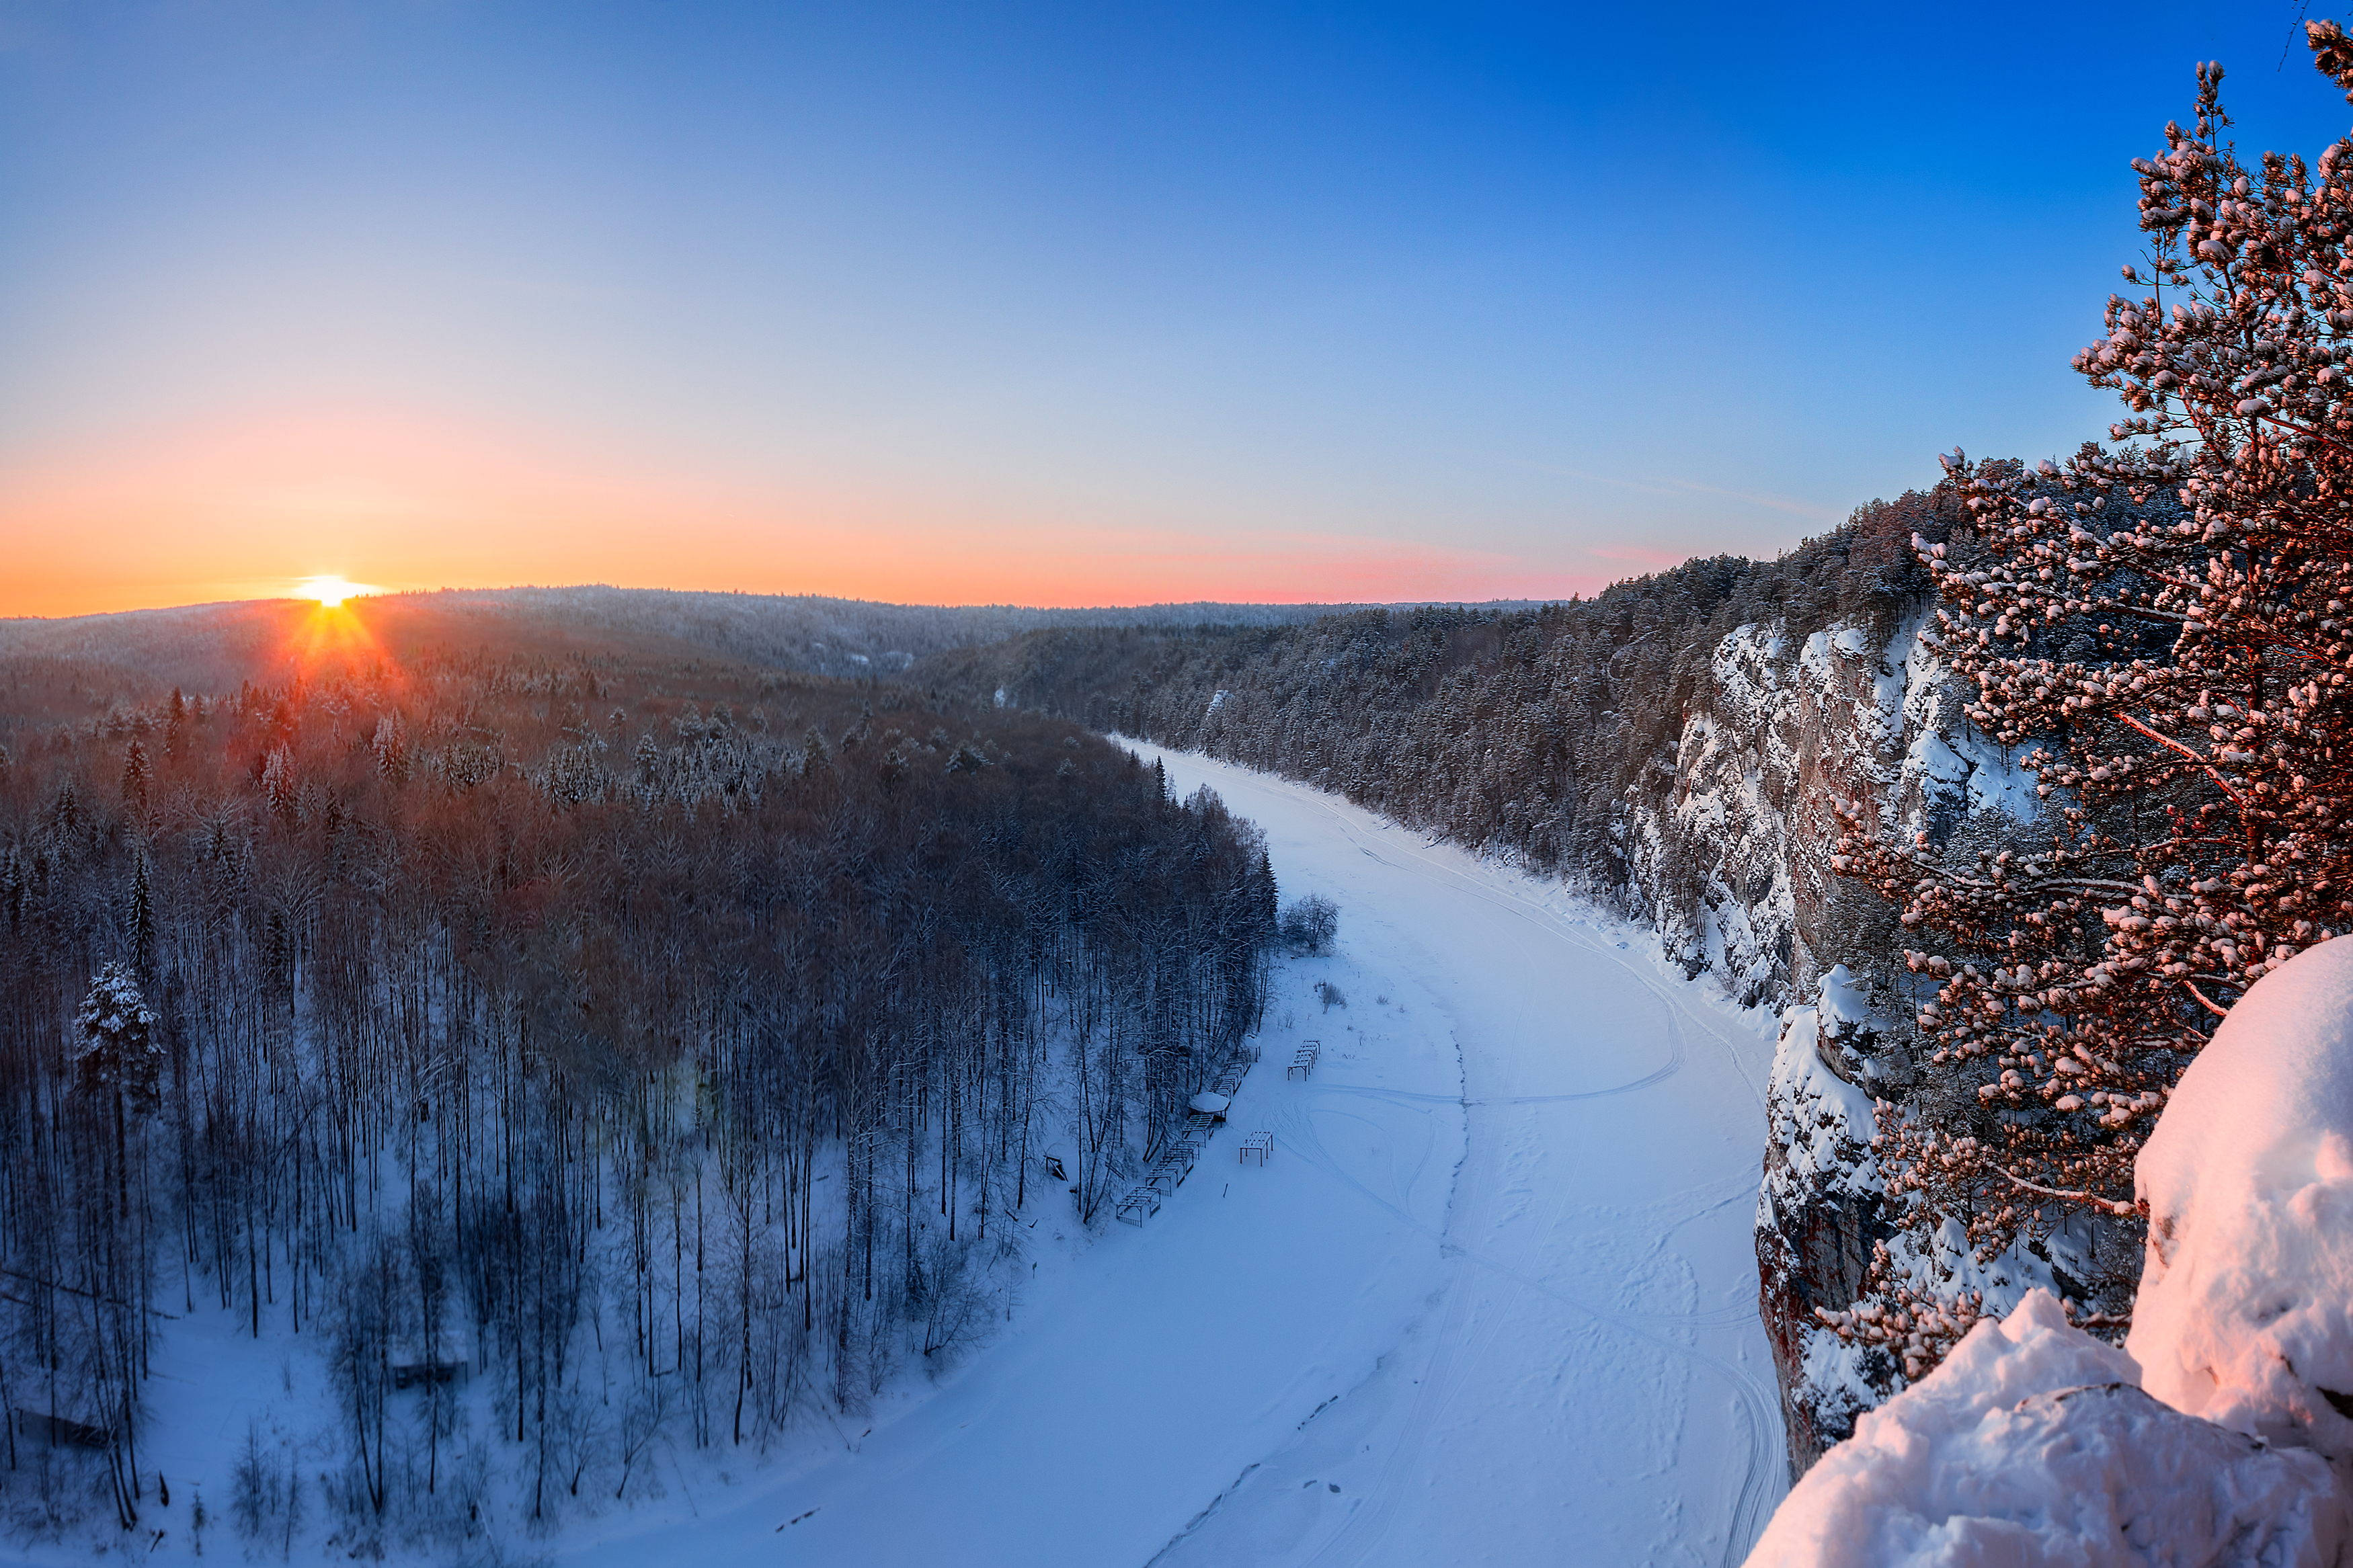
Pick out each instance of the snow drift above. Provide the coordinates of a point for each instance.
(2033, 1443)
(2245, 1310)
(2223, 1432)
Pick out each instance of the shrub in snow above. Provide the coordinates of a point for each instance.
(2245, 1312)
(1308, 926)
(2032, 1444)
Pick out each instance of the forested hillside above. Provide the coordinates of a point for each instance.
(678, 1046)
(78, 665)
(1553, 735)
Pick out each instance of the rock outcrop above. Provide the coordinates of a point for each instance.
(1819, 1213)
(1789, 731)
(1792, 731)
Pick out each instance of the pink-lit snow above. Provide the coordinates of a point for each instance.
(2245, 1310)
(2033, 1445)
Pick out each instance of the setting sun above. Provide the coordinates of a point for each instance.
(329, 590)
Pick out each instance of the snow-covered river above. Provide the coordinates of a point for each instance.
(1492, 1300)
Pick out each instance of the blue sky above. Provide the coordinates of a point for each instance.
(1257, 301)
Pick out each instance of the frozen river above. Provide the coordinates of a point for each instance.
(1492, 1300)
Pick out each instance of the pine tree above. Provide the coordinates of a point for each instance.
(141, 918)
(175, 728)
(2165, 629)
(116, 1050)
(277, 783)
(135, 776)
(118, 1061)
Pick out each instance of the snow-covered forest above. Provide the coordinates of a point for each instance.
(670, 1045)
(214, 646)
(1532, 731)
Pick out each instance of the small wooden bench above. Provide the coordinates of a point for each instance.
(1256, 1148)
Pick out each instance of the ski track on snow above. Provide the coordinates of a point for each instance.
(1758, 1406)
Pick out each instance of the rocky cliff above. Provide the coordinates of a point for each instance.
(1680, 747)
(1789, 731)
(1735, 869)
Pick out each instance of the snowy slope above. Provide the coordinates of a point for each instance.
(1493, 1300)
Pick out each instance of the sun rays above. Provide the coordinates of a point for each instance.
(332, 632)
(329, 590)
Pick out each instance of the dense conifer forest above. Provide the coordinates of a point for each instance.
(677, 1046)
(212, 647)
(1523, 729)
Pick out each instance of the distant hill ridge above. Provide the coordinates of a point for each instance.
(71, 667)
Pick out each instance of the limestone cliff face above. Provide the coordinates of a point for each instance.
(1736, 872)
(1818, 1211)
(1735, 869)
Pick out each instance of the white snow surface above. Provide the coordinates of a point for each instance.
(2245, 1310)
(2032, 1444)
(1582, 1377)
(1492, 1299)
(1827, 1121)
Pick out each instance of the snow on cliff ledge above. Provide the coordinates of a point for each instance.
(2035, 1443)
(2245, 1310)
(2032, 1445)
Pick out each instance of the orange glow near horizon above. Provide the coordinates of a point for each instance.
(330, 637)
(330, 592)
(222, 512)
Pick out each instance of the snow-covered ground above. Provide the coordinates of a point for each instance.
(1492, 1300)
(1589, 1381)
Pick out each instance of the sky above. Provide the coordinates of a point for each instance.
(1055, 305)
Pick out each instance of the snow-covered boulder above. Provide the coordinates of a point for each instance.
(2032, 1444)
(2245, 1310)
